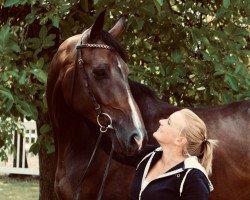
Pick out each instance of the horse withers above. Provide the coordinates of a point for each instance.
(88, 94)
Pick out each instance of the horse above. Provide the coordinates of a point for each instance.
(88, 96)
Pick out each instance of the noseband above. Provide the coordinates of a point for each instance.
(100, 114)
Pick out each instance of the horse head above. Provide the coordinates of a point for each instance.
(100, 91)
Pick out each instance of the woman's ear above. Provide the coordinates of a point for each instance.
(181, 141)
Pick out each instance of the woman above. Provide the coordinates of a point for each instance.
(179, 168)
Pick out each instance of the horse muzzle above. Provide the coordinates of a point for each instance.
(129, 143)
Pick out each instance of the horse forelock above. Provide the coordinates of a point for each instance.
(108, 39)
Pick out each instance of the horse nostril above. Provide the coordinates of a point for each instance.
(135, 140)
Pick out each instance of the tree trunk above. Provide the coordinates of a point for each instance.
(47, 164)
(47, 175)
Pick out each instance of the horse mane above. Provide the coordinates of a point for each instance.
(138, 89)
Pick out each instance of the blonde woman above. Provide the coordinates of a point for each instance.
(179, 168)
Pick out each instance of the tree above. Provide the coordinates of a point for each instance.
(193, 53)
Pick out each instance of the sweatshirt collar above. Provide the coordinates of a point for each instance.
(189, 163)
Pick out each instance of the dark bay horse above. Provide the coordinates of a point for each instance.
(88, 94)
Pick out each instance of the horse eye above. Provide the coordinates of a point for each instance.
(100, 73)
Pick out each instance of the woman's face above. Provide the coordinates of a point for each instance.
(170, 129)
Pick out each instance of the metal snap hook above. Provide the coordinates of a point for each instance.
(104, 128)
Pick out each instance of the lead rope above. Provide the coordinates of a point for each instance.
(87, 168)
(105, 174)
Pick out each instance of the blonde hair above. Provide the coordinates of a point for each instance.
(198, 144)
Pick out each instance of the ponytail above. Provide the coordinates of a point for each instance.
(197, 142)
(207, 155)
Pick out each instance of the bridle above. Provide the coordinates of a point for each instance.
(100, 114)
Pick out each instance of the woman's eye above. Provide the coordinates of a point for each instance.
(100, 74)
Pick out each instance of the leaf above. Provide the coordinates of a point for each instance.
(34, 148)
(14, 47)
(5, 33)
(5, 92)
(232, 82)
(226, 3)
(139, 22)
(55, 21)
(219, 72)
(10, 3)
(5, 76)
(176, 56)
(206, 56)
(40, 63)
(226, 98)
(240, 69)
(40, 75)
(43, 32)
(160, 2)
(149, 10)
(34, 43)
(45, 128)
(147, 45)
(50, 147)
(95, 2)
(230, 59)
(24, 108)
(48, 41)
(23, 78)
(221, 12)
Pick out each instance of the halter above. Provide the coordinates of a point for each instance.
(100, 114)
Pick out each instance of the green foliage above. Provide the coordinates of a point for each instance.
(192, 53)
(7, 126)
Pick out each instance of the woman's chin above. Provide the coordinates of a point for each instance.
(155, 135)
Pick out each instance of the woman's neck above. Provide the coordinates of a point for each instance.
(172, 156)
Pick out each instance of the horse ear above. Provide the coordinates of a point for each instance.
(98, 26)
(118, 27)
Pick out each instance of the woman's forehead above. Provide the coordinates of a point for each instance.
(178, 119)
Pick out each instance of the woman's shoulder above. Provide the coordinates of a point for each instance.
(196, 178)
(197, 174)
(194, 183)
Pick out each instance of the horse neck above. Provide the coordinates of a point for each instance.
(69, 126)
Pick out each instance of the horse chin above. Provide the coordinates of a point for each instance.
(123, 150)
(126, 152)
